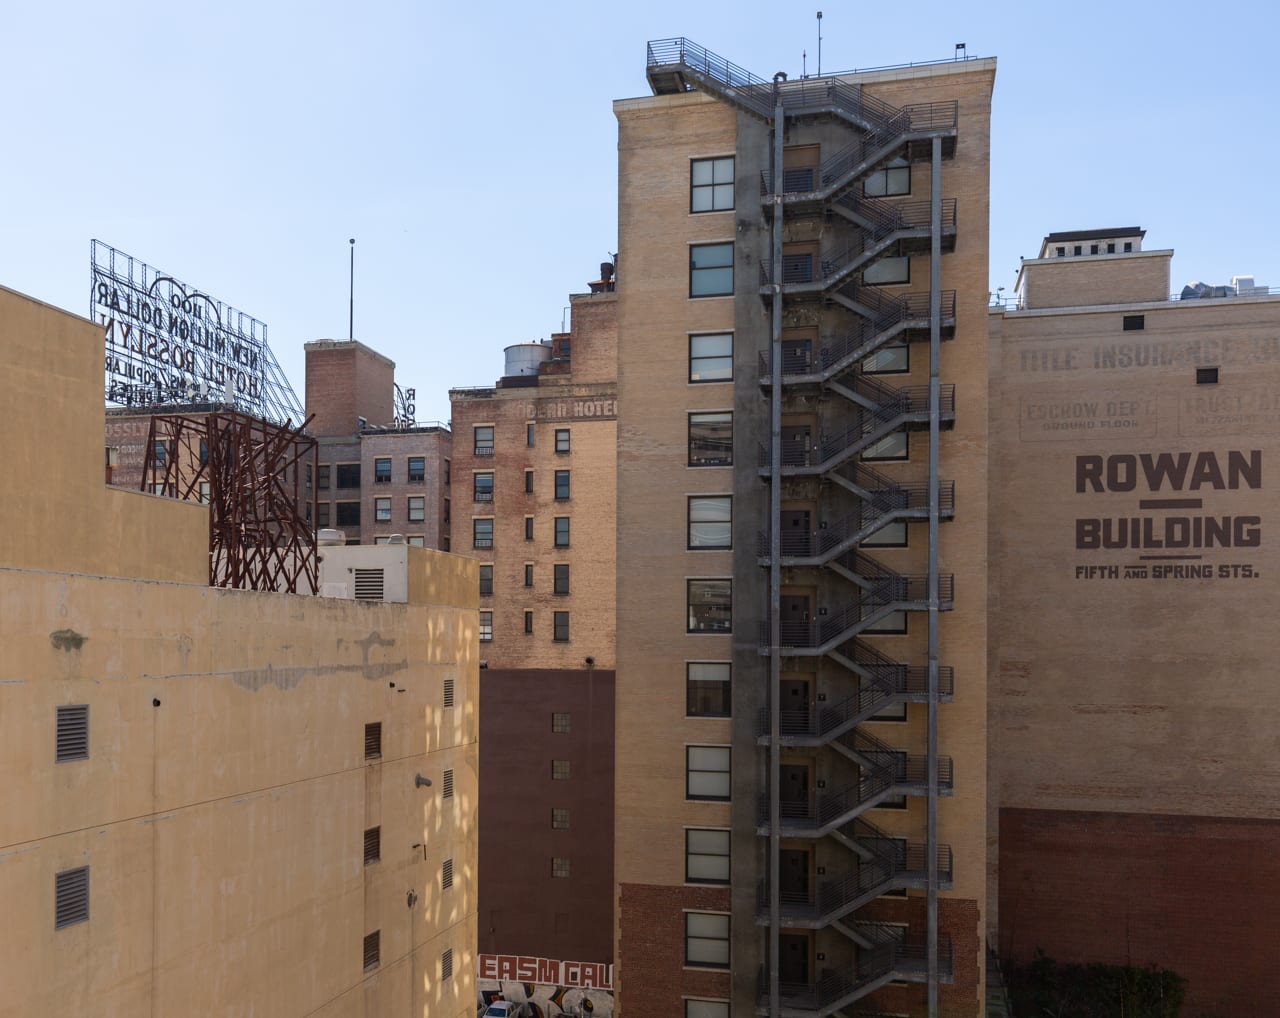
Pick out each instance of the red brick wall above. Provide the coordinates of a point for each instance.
(959, 919)
(346, 381)
(651, 976)
(1192, 894)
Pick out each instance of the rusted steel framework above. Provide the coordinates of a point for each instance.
(255, 477)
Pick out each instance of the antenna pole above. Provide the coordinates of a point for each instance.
(351, 320)
(819, 44)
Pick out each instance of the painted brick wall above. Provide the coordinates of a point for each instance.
(1190, 893)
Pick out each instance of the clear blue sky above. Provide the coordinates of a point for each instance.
(471, 147)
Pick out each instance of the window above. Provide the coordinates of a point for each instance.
(446, 790)
(446, 965)
(486, 581)
(706, 940)
(559, 867)
(893, 802)
(894, 623)
(446, 875)
(482, 484)
(72, 733)
(448, 472)
(893, 446)
(562, 439)
(484, 440)
(1062, 252)
(559, 819)
(418, 541)
(528, 528)
(1111, 248)
(418, 508)
(448, 510)
(372, 845)
(888, 360)
(372, 949)
(562, 531)
(706, 1009)
(711, 358)
(204, 499)
(528, 574)
(348, 475)
(560, 582)
(161, 452)
(446, 695)
(382, 471)
(1093, 249)
(707, 773)
(1206, 376)
(322, 477)
(382, 510)
(382, 540)
(528, 435)
(562, 485)
(711, 185)
(710, 521)
(486, 627)
(706, 857)
(70, 897)
(560, 621)
(898, 712)
(204, 458)
(417, 469)
(711, 439)
(482, 533)
(560, 721)
(888, 270)
(707, 689)
(1077, 250)
(559, 770)
(1134, 323)
(891, 535)
(373, 740)
(710, 606)
(528, 482)
(711, 270)
(892, 178)
(322, 514)
(1128, 246)
(348, 514)
(528, 623)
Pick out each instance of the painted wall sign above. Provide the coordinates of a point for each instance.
(1169, 530)
(169, 344)
(529, 969)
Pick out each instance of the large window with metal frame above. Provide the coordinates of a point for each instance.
(706, 856)
(710, 522)
(711, 357)
(707, 773)
(706, 940)
(483, 434)
(894, 177)
(710, 604)
(711, 184)
(382, 470)
(711, 439)
(894, 446)
(707, 689)
(886, 271)
(711, 270)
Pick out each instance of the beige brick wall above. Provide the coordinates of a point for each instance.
(1096, 279)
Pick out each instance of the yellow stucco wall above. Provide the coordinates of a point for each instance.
(223, 804)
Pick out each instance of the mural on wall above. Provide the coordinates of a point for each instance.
(546, 987)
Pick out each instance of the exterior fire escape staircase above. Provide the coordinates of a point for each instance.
(855, 502)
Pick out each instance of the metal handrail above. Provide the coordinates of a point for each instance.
(839, 987)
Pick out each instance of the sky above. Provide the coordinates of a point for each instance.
(471, 148)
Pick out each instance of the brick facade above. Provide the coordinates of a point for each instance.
(651, 946)
(346, 381)
(1189, 893)
(524, 909)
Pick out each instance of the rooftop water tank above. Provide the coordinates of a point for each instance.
(524, 358)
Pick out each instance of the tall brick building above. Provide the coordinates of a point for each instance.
(1133, 709)
(534, 468)
(802, 527)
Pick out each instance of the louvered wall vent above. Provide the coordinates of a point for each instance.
(73, 733)
(448, 784)
(446, 964)
(373, 740)
(446, 875)
(372, 948)
(448, 692)
(369, 584)
(71, 897)
(372, 845)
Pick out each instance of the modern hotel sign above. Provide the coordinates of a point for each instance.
(167, 343)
